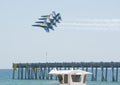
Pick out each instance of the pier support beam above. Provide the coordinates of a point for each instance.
(29, 73)
(18, 73)
(25, 73)
(92, 74)
(113, 78)
(96, 74)
(21, 73)
(116, 74)
(51, 76)
(106, 74)
(102, 76)
(13, 74)
(40, 73)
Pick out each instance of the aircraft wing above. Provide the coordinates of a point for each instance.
(40, 25)
(45, 15)
(39, 22)
(36, 25)
(45, 27)
(42, 18)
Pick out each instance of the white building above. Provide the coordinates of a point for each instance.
(70, 77)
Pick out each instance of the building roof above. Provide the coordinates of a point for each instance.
(54, 71)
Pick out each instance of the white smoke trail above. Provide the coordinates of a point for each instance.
(98, 24)
(96, 20)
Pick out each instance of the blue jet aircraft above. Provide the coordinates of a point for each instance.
(46, 28)
(53, 16)
(45, 25)
(48, 21)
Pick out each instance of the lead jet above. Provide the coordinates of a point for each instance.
(45, 24)
(56, 17)
(53, 17)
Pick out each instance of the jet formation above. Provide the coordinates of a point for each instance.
(48, 21)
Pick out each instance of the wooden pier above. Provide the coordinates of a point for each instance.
(41, 70)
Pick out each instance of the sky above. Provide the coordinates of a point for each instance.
(22, 43)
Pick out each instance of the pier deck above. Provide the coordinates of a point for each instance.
(41, 70)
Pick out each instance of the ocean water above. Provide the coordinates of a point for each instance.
(6, 79)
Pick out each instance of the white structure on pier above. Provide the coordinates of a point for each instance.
(70, 77)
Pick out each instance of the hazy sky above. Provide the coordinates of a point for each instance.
(22, 43)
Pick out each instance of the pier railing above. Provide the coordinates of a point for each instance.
(41, 70)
